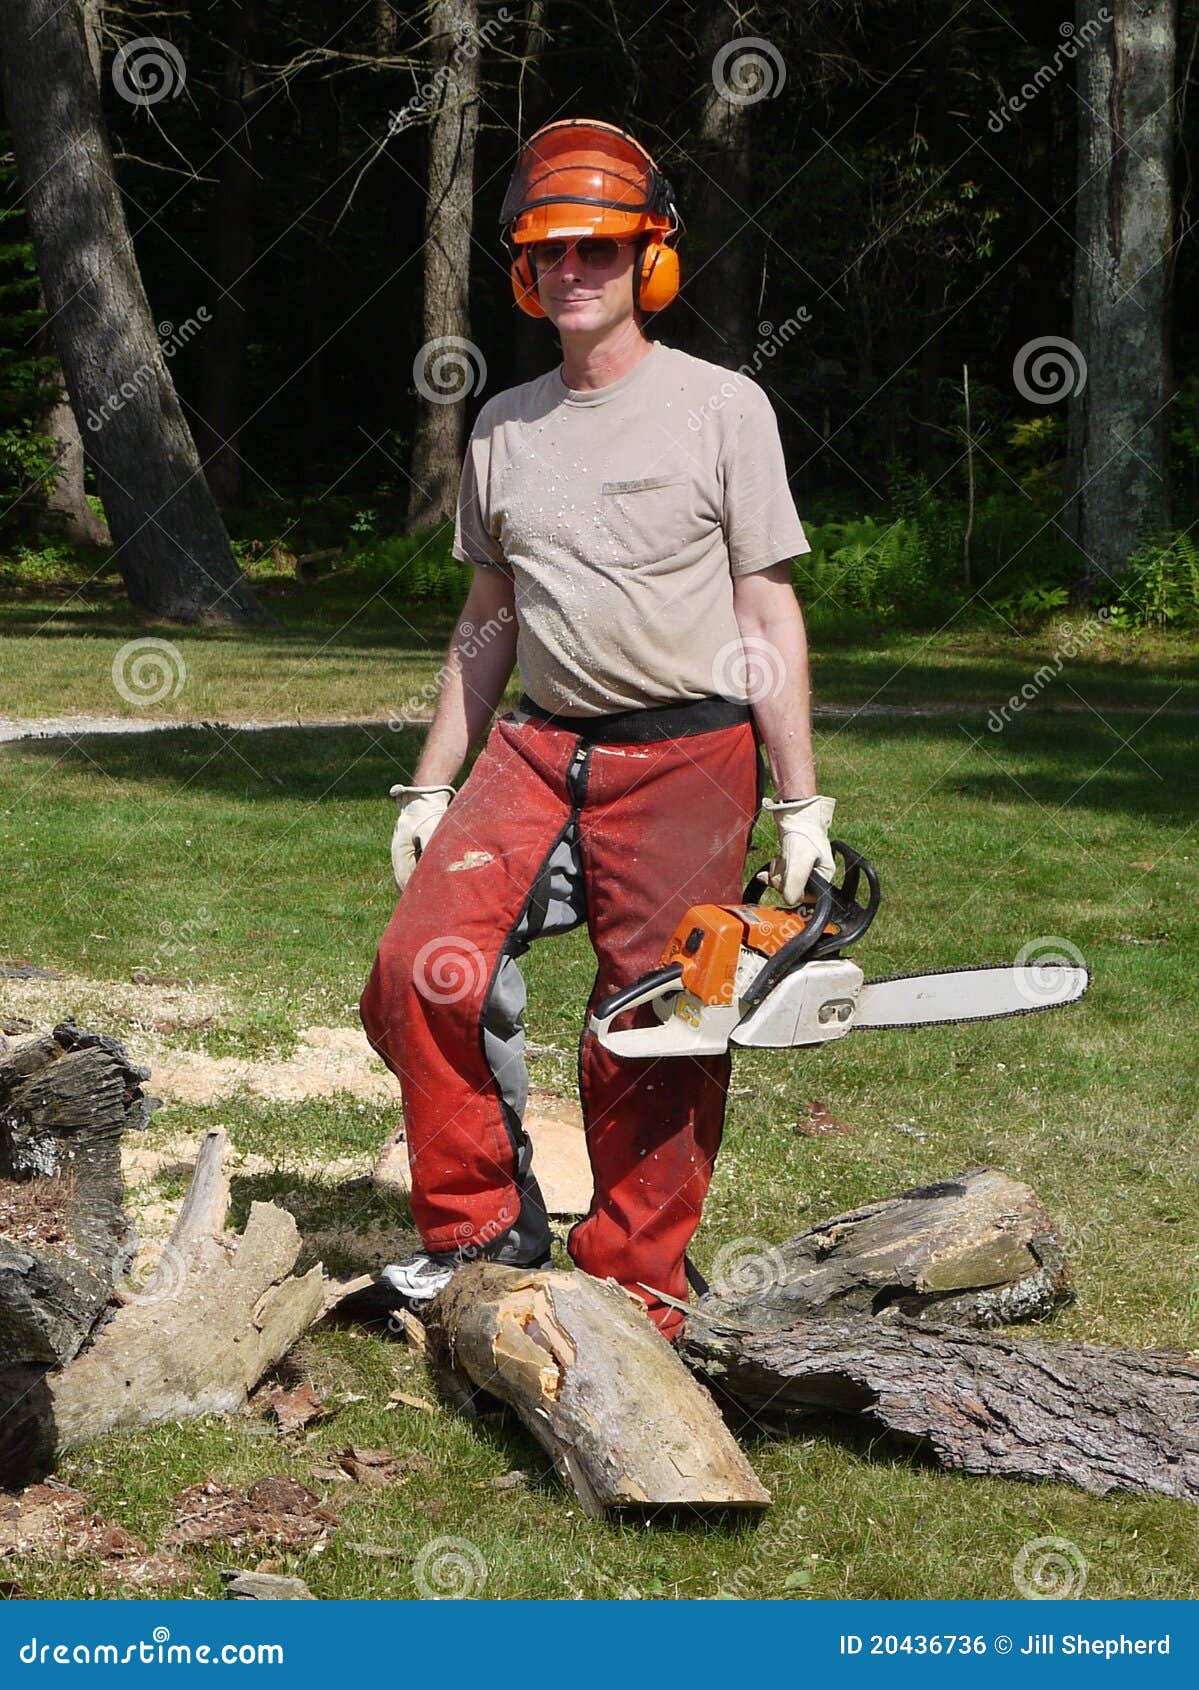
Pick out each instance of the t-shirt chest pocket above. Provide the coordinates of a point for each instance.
(649, 518)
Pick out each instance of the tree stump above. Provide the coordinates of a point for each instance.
(65, 1099)
(91, 1338)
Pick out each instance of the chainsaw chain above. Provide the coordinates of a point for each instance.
(962, 1020)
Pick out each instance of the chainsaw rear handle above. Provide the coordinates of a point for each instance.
(838, 902)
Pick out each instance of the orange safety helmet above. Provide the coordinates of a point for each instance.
(579, 177)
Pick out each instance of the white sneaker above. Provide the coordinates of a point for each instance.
(420, 1276)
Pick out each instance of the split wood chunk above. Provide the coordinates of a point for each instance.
(978, 1248)
(624, 1422)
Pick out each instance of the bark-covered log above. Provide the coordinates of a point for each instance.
(989, 1404)
(978, 1248)
(65, 1099)
(193, 1338)
(595, 1382)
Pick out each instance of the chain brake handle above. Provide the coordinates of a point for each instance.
(823, 902)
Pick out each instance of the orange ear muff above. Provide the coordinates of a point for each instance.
(658, 284)
(524, 286)
(659, 276)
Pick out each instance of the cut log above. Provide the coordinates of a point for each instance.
(65, 1099)
(988, 1404)
(598, 1386)
(978, 1248)
(215, 1314)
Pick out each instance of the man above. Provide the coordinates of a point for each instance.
(630, 523)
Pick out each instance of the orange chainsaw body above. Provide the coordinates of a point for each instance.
(708, 941)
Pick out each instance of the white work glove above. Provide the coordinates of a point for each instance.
(421, 808)
(803, 825)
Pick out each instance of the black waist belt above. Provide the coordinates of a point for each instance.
(658, 721)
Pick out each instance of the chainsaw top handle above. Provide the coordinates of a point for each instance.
(835, 902)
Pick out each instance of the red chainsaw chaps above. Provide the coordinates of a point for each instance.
(657, 827)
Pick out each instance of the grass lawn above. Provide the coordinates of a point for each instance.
(255, 866)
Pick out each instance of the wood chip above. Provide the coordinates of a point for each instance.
(276, 1509)
(296, 1409)
(407, 1400)
(817, 1121)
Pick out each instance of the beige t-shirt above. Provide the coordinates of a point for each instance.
(622, 515)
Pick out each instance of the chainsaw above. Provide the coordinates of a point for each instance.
(752, 974)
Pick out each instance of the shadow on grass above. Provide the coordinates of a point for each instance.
(1125, 766)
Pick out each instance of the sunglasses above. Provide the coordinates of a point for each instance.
(597, 252)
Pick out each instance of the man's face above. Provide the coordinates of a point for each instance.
(585, 286)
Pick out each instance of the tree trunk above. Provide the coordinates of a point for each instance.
(535, 346)
(64, 506)
(174, 554)
(596, 1384)
(719, 287)
(447, 363)
(222, 396)
(1118, 434)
